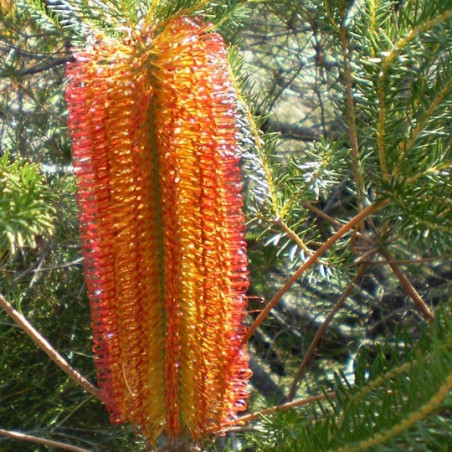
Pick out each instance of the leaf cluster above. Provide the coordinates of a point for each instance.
(26, 209)
(391, 404)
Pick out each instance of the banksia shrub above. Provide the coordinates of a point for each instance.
(152, 119)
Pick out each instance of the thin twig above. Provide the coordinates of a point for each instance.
(44, 345)
(7, 46)
(78, 261)
(310, 352)
(330, 219)
(38, 440)
(321, 213)
(312, 260)
(285, 406)
(432, 169)
(45, 65)
(351, 118)
(292, 235)
(404, 424)
(408, 287)
(40, 104)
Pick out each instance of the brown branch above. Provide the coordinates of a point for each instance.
(285, 406)
(45, 65)
(30, 94)
(321, 214)
(408, 287)
(307, 357)
(38, 440)
(311, 261)
(333, 221)
(44, 345)
(5, 47)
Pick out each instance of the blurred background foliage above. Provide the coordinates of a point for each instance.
(347, 104)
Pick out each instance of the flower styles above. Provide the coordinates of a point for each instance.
(163, 235)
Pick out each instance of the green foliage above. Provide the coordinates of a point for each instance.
(373, 85)
(403, 93)
(43, 16)
(395, 70)
(25, 205)
(80, 18)
(393, 402)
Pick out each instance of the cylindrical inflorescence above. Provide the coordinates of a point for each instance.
(196, 140)
(163, 236)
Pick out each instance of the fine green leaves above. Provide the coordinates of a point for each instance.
(25, 208)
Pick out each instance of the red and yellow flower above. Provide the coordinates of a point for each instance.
(154, 132)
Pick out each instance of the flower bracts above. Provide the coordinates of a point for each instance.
(155, 150)
(108, 101)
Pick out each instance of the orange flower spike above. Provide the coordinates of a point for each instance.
(108, 102)
(155, 152)
(91, 165)
(196, 140)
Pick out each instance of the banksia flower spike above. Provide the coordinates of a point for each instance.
(155, 150)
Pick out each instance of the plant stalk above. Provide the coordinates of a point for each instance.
(45, 346)
(312, 260)
(38, 440)
(307, 357)
(408, 287)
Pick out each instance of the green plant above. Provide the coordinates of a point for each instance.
(25, 205)
(346, 125)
